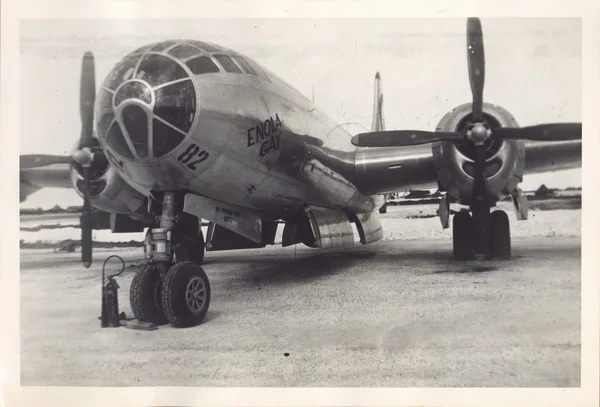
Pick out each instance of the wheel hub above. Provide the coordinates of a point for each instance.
(195, 294)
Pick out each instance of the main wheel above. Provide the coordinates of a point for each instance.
(144, 295)
(462, 236)
(500, 236)
(185, 295)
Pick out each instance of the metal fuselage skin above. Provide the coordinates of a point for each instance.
(253, 141)
(251, 135)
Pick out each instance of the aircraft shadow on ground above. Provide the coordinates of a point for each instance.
(308, 263)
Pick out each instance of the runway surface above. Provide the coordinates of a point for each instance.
(391, 314)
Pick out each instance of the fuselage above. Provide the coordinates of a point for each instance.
(193, 116)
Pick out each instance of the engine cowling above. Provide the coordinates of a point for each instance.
(110, 193)
(505, 160)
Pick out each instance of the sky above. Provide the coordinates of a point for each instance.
(533, 69)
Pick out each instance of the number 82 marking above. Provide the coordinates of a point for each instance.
(191, 152)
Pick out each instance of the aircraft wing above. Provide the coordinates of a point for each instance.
(552, 156)
(50, 176)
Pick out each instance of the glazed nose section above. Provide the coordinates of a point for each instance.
(174, 113)
(156, 120)
(147, 107)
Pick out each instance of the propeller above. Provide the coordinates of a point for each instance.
(478, 133)
(85, 154)
(476, 63)
(87, 97)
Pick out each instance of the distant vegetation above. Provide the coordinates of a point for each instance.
(55, 209)
(409, 198)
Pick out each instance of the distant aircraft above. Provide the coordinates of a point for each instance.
(186, 130)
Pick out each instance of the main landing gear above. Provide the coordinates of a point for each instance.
(172, 287)
(493, 243)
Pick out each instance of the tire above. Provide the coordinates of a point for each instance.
(182, 309)
(383, 209)
(462, 236)
(500, 236)
(144, 295)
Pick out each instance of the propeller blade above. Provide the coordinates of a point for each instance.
(403, 138)
(87, 97)
(542, 132)
(41, 160)
(86, 221)
(476, 62)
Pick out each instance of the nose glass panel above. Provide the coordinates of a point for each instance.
(164, 138)
(158, 69)
(136, 124)
(176, 104)
(122, 72)
(116, 140)
(133, 90)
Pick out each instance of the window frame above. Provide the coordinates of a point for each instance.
(209, 57)
(216, 57)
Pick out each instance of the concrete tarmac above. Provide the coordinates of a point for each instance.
(391, 314)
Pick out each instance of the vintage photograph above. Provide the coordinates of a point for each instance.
(306, 202)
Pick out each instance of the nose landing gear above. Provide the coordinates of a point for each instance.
(171, 287)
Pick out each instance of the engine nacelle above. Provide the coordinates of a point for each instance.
(110, 193)
(505, 160)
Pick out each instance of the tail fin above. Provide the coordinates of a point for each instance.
(378, 122)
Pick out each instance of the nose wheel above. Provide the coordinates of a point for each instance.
(145, 295)
(185, 295)
(172, 287)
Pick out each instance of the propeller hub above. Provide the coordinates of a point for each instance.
(479, 133)
(83, 157)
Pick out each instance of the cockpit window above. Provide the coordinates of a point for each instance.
(227, 63)
(245, 65)
(122, 72)
(157, 69)
(183, 51)
(202, 65)
(205, 46)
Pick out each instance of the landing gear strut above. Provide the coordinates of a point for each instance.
(172, 286)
